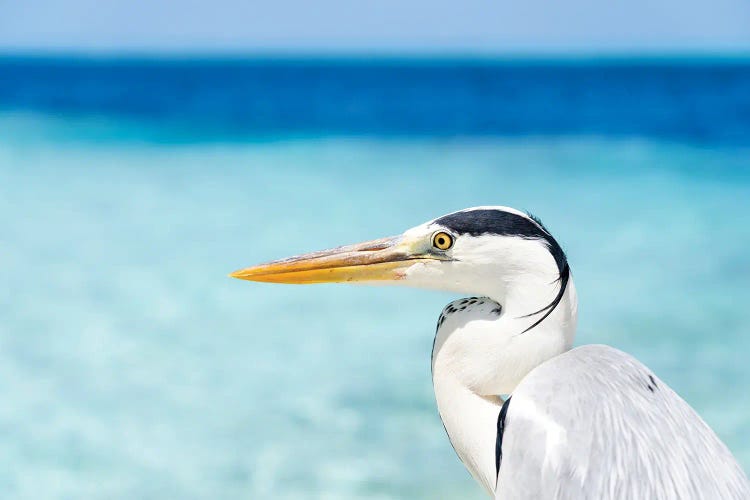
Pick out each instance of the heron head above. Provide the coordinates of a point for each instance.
(483, 250)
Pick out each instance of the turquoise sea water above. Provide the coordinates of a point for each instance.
(131, 366)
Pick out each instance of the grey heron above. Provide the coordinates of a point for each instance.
(529, 415)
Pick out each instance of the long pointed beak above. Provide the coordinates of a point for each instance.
(379, 260)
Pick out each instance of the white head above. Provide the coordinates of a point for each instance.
(526, 308)
(496, 252)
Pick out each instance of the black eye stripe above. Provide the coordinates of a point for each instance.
(502, 223)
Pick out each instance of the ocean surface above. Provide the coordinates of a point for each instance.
(131, 366)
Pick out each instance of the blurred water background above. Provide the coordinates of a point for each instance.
(131, 366)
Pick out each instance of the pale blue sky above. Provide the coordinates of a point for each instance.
(462, 26)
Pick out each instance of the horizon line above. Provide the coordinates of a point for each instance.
(541, 54)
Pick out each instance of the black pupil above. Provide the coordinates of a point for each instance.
(441, 241)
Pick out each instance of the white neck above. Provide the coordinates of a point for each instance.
(479, 356)
(471, 423)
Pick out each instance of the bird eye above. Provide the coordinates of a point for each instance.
(442, 241)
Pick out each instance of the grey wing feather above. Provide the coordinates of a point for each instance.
(595, 423)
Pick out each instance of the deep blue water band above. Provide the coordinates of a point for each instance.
(699, 102)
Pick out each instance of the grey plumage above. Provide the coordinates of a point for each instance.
(595, 423)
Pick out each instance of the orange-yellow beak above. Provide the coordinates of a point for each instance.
(385, 259)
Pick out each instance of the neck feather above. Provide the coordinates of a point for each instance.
(480, 355)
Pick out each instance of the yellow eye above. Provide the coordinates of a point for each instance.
(442, 241)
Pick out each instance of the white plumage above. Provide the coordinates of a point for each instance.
(588, 423)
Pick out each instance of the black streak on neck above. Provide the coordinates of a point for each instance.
(499, 439)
